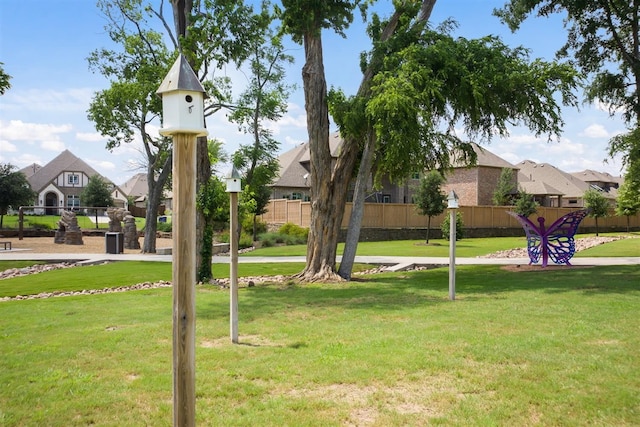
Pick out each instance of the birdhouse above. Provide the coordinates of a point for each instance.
(234, 184)
(452, 200)
(182, 101)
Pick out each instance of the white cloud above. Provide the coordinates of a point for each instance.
(595, 131)
(53, 145)
(17, 130)
(7, 147)
(70, 100)
(524, 139)
(90, 137)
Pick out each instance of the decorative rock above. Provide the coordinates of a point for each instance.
(69, 231)
(130, 232)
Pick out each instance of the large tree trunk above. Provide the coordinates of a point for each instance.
(156, 186)
(329, 185)
(357, 212)
(323, 236)
(355, 222)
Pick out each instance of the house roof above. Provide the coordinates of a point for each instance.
(30, 170)
(335, 143)
(589, 175)
(65, 161)
(566, 184)
(485, 158)
(136, 186)
(537, 188)
(292, 173)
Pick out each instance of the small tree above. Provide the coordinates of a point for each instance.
(5, 84)
(429, 199)
(526, 204)
(597, 203)
(446, 225)
(97, 193)
(15, 190)
(628, 200)
(503, 194)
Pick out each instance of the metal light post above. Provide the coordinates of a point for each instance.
(234, 186)
(452, 204)
(183, 119)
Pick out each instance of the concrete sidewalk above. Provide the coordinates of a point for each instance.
(394, 263)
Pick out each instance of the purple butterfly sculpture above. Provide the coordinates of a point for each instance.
(555, 242)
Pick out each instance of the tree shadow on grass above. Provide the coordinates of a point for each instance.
(388, 292)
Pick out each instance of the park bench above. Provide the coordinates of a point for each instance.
(6, 245)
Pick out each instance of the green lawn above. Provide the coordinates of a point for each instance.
(620, 248)
(418, 248)
(464, 247)
(549, 347)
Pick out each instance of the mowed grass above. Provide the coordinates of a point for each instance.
(117, 274)
(545, 347)
(629, 247)
(417, 248)
(464, 248)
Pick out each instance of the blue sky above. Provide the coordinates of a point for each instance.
(44, 45)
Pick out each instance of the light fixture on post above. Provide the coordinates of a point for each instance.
(183, 120)
(234, 186)
(452, 205)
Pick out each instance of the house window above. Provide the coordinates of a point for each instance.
(296, 196)
(73, 201)
(386, 198)
(573, 201)
(73, 179)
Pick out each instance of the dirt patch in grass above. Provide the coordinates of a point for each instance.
(91, 245)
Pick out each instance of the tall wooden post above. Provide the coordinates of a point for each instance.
(234, 186)
(452, 254)
(184, 278)
(233, 267)
(183, 119)
(452, 204)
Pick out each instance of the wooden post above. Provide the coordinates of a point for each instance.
(20, 223)
(452, 254)
(184, 279)
(233, 272)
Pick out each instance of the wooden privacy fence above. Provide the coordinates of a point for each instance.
(400, 215)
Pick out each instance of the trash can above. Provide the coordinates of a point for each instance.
(114, 242)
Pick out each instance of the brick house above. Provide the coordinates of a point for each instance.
(475, 185)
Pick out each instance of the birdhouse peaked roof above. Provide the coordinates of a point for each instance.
(181, 77)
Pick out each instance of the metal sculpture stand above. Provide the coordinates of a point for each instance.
(555, 242)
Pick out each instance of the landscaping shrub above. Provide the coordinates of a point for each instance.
(459, 227)
(291, 229)
(165, 227)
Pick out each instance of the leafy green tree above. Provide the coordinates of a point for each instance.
(505, 188)
(5, 78)
(597, 204)
(124, 111)
(429, 82)
(265, 99)
(97, 193)
(603, 41)
(628, 202)
(445, 227)
(429, 199)
(526, 204)
(304, 21)
(212, 202)
(15, 190)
